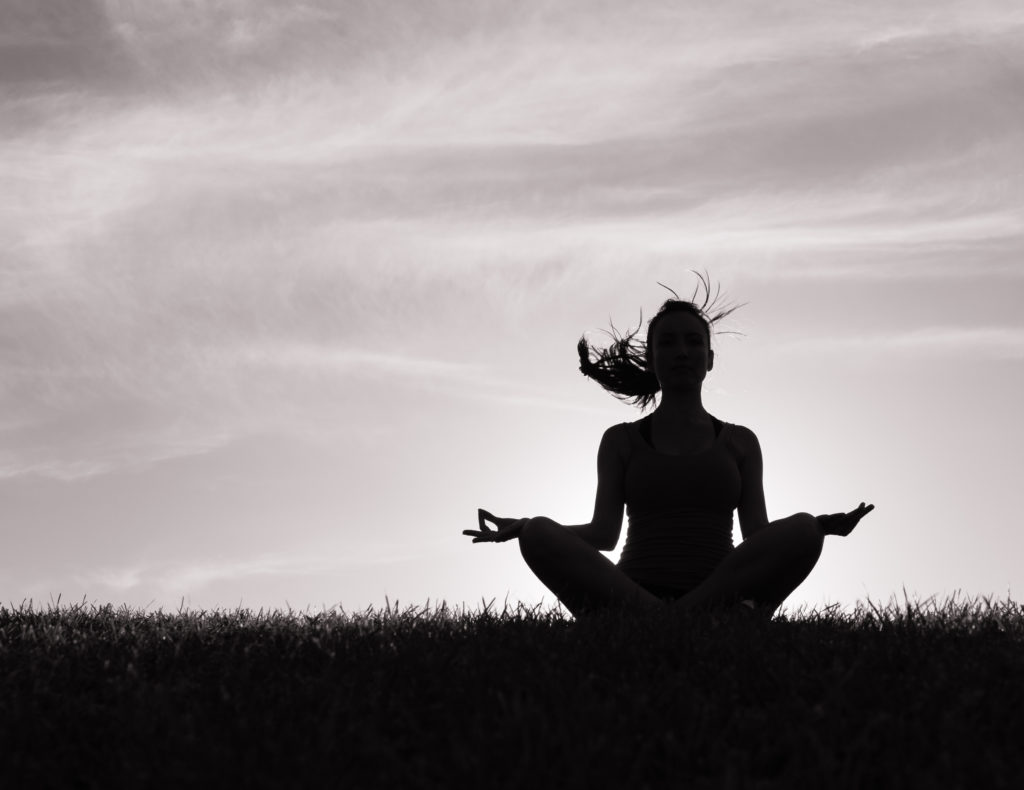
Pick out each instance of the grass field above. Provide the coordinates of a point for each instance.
(917, 694)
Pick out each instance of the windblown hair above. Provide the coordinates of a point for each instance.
(624, 368)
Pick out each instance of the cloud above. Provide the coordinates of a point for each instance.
(77, 444)
(140, 414)
(51, 45)
(999, 343)
(220, 216)
(166, 580)
(355, 362)
(506, 121)
(118, 580)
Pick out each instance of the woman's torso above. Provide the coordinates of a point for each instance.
(679, 508)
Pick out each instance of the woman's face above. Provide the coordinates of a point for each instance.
(681, 356)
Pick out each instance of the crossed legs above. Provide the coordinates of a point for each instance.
(580, 576)
(766, 567)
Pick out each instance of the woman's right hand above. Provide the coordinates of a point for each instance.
(507, 528)
(842, 524)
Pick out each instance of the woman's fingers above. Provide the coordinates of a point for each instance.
(862, 510)
(854, 516)
(482, 533)
(506, 528)
(485, 533)
(842, 524)
(498, 521)
(483, 515)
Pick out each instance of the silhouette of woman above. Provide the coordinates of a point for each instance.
(679, 472)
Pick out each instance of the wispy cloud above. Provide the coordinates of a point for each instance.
(317, 221)
(354, 362)
(166, 580)
(78, 446)
(217, 217)
(135, 415)
(1002, 343)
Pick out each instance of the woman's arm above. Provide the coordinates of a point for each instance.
(604, 528)
(752, 510)
(606, 524)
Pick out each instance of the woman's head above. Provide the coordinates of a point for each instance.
(678, 346)
(678, 338)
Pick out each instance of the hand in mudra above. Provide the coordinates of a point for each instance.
(843, 523)
(507, 528)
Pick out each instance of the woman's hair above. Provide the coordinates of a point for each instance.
(624, 368)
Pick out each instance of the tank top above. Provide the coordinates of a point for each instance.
(679, 510)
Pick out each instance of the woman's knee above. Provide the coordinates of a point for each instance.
(811, 532)
(806, 533)
(535, 534)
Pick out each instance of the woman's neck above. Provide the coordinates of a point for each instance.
(680, 407)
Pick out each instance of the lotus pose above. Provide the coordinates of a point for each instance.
(679, 473)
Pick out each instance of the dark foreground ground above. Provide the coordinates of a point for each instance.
(912, 695)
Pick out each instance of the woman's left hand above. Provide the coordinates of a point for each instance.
(843, 523)
(507, 528)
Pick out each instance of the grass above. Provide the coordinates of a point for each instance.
(916, 694)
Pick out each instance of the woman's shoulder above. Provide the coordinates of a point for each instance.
(619, 433)
(740, 431)
(618, 436)
(624, 428)
(743, 440)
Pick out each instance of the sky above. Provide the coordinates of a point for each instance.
(289, 290)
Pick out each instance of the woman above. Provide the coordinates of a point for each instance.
(679, 473)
